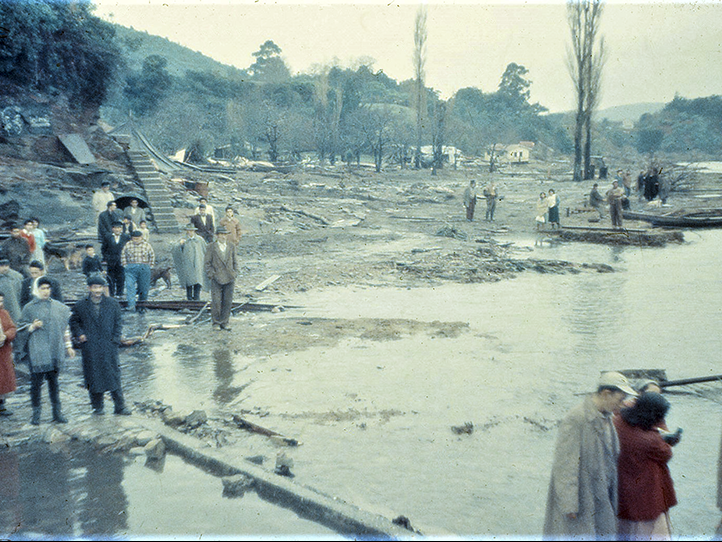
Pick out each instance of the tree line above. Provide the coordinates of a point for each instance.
(335, 112)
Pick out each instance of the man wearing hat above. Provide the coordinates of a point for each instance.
(582, 500)
(137, 258)
(221, 265)
(111, 249)
(189, 259)
(96, 325)
(205, 222)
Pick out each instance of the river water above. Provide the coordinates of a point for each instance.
(375, 418)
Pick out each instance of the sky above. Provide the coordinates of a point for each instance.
(654, 49)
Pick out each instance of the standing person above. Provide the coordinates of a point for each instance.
(221, 265)
(646, 492)
(16, 250)
(8, 383)
(209, 208)
(596, 200)
(232, 224)
(101, 198)
(92, 264)
(111, 249)
(204, 222)
(143, 228)
(135, 213)
(11, 284)
(582, 500)
(470, 200)
(41, 239)
(48, 344)
(27, 234)
(553, 205)
(96, 325)
(491, 194)
(541, 210)
(128, 227)
(615, 195)
(29, 287)
(189, 259)
(106, 220)
(137, 258)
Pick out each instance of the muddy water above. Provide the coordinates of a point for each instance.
(375, 418)
(76, 492)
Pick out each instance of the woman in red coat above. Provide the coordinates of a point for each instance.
(646, 492)
(7, 369)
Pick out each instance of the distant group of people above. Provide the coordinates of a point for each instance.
(610, 479)
(491, 195)
(547, 209)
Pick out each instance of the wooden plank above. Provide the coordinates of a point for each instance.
(267, 282)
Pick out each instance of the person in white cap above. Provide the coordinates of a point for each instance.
(583, 493)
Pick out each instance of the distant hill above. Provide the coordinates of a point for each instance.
(629, 112)
(138, 45)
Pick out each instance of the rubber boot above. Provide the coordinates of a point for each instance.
(57, 414)
(35, 420)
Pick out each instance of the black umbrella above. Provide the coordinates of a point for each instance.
(124, 201)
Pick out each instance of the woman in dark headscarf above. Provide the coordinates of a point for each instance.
(646, 492)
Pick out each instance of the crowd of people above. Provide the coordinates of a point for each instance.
(40, 330)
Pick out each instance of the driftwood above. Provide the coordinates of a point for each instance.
(304, 213)
(199, 313)
(254, 428)
(267, 282)
(132, 341)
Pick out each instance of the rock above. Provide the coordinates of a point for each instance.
(283, 464)
(196, 418)
(256, 459)
(174, 419)
(144, 437)
(236, 486)
(55, 436)
(155, 450)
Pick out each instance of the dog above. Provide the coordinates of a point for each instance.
(71, 256)
(158, 273)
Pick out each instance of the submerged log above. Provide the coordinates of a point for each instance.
(254, 428)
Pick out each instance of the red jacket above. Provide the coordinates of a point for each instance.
(645, 485)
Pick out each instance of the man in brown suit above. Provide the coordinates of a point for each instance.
(221, 265)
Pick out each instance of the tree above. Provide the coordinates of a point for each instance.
(584, 58)
(420, 37)
(649, 141)
(269, 67)
(146, 89)
(438, 135)
(515, 87)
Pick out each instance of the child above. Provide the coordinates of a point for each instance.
(143, 228)
(92, 263)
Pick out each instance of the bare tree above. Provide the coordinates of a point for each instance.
(420, 37)
(438, 136)
(585, 61)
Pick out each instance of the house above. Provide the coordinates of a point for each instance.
(517, 153)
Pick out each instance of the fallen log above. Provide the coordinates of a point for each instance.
(685, 381)
(267, 282)
(254, 428)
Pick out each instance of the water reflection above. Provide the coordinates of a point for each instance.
(46, 490)
(224, 371)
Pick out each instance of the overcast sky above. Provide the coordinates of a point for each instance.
(655, 49)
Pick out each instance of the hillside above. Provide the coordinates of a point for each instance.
(631, 112)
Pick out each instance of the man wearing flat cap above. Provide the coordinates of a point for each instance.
(221, 265)
(189, 259)
(582, 500)
(96, 325)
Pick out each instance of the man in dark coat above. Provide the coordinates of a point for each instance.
(111, 250)
(221, 265)
(106, 220)
(96, 326)
(204, 222)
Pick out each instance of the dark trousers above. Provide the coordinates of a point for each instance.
(470, 209)
(193, 293)
(490, 208)
(116, 279)
(221, 302)
(36, 384)
(96, 400)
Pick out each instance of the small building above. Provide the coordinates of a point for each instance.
(517, 153)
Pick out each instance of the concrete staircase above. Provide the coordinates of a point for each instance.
(156, 193)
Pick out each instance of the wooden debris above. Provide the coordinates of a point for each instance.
(250, 426)
(304, 213)
(267, 282)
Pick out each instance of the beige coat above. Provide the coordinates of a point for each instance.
(221, 268)
(584, 477)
